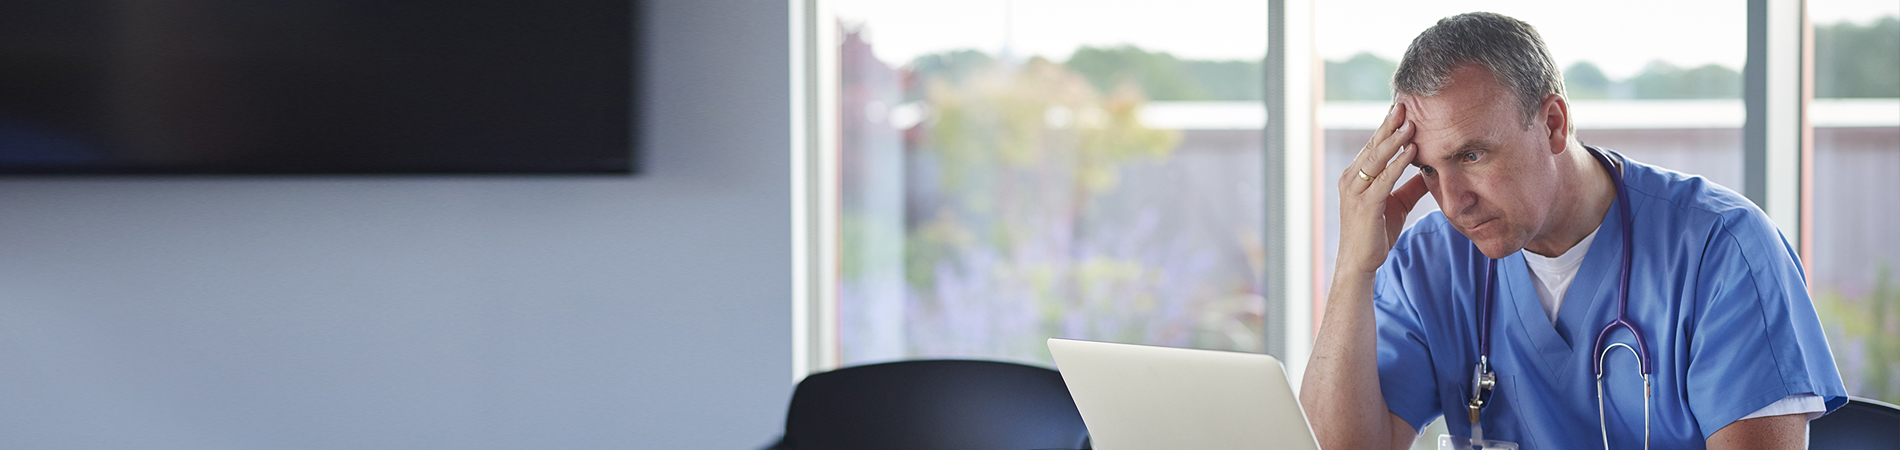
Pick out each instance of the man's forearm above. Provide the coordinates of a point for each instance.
(1340, 391)
(1772, 432)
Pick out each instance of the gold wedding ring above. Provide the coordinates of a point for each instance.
(1363, 176)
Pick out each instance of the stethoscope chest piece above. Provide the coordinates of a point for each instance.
(1483, 381)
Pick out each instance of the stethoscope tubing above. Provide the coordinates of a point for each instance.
(1484, 379)
(1623, 285)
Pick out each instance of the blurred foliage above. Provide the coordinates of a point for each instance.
(1857, 61)
(1163, 77)
(1018, 118)
(1159, 74)
(1363, 77)
(950, 67)
(1662, 80)
(1020, 151)
(1851, 61)
(1584, 81)
(1367, 77)
(1228, 80)
(1864, 334)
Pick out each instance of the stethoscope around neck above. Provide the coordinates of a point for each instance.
(1484, 379)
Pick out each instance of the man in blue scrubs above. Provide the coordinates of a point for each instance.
(1737, 353)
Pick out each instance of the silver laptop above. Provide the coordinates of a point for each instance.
(1137, 397)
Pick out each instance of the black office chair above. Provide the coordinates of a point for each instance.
(1861, 424)
(937, 404)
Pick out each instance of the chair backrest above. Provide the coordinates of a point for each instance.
(936, 404)
(1862, 423)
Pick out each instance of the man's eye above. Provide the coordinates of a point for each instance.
(1471, 157)
(1428, 170)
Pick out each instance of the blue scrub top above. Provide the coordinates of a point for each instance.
(1714, 286)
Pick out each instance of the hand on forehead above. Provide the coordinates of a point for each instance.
(1472, 106)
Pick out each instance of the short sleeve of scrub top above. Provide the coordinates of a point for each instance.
(1405, 361)
(1757, 337)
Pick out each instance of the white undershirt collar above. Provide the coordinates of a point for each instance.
(1554, 275)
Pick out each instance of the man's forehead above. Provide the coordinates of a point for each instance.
(1440, 128)
(1460, 116)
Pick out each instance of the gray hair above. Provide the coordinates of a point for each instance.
(1508, 48)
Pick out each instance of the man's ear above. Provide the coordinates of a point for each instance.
(1555, 115)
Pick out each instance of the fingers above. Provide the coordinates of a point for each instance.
(1367, 203)
(1399, 204)
(1385, 159)
(1392, 120)
(1389, 144)
(1394, 117)
(1408, 194)
(1389, 174)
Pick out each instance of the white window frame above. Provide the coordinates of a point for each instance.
(814, 143)
(1294, 161)
(1777, 140)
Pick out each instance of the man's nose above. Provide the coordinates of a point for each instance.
(1454, 193)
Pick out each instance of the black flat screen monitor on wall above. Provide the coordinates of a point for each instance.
(316, 87)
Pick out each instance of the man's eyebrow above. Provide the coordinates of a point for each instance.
(1468, 147)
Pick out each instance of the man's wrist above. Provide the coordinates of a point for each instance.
(1356, 271)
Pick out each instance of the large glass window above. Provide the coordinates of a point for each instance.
(1014, 171)
(1009, 170)
(1854, 265)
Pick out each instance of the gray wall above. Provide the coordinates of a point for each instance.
(649, 312)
